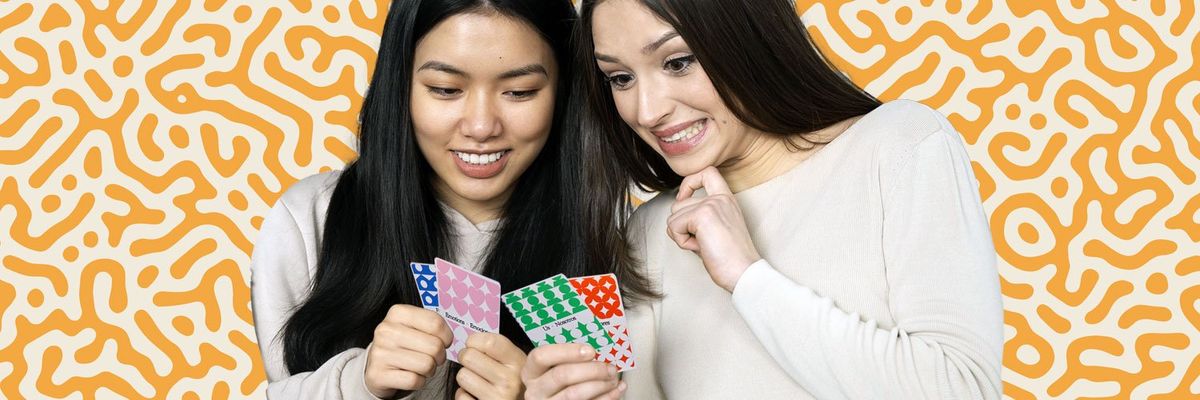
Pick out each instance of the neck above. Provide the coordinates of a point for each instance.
(476, 212)
(767, 156)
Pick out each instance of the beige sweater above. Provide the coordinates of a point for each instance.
(878, 280)
(282, 267)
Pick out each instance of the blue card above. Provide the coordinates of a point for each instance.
(426, 277)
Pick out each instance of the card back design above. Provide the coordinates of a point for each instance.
(469, 302)
(426, 277)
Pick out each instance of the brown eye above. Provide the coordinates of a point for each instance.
(443, 92)
(679, 65)
(522, 94)
(619, 81)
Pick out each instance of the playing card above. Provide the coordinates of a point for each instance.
(469, 302)
(551, 312)
(426, 278)
(603, 298)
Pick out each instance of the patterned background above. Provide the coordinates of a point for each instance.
(142, 143)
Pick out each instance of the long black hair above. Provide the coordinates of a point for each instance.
(763, 64)
(383, 212)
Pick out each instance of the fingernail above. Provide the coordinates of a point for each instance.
(612, 372)
(586, 351)
(621, 387)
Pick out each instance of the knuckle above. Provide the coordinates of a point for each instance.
(573, 393)
(485, 341)
(427, 365)
(538, 357)
(466, 356)
(410, 380)
(559, 375)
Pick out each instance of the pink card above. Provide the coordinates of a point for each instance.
(469, 302)
(603, 297)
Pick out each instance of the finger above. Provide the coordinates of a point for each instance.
(614, 394)
(688, 186)
(429, 322)
(679, 229)
(587, 390)
(461, 394)
(407, 360)
(563, 377)
(546, 357)
(398, 336)
(472, 384)
(487, 368)
(498, 347)
(709, 179)
(713, 182)
(399, 379)
(684, 204)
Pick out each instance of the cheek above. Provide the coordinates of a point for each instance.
(530, 122)
(626, 103)
(432, 125)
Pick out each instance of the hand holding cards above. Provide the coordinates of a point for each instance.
(586, 310)
(466, 300)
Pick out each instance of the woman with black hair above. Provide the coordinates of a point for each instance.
(808, 241)
(465, 153)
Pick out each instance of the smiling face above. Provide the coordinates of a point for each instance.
(662, 92)
(482, 105)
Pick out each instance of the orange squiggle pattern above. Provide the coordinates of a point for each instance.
(144, 141)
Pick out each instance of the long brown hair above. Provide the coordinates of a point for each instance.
(763, 64)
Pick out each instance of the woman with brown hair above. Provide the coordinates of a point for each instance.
(808, 241)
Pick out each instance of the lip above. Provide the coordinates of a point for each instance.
(683, 146)
(675, 128)
(480, 171)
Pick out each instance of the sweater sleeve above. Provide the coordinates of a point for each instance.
(279, 281)
(943, 294)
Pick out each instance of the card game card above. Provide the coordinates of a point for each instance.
(426, 278)
(469, 302)
(551, 312)
(603, 298)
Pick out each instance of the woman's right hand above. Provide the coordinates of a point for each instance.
(568, 372)
(408, 346)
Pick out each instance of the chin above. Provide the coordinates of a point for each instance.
(687, 165)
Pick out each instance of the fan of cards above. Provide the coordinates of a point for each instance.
(557, 309)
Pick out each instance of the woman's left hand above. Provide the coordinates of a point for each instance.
(491, 368)
(712, 227)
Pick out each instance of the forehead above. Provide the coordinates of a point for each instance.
(483, 42)
(625, 26)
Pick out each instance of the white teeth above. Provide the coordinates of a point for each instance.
(688, 133)
(479, 159)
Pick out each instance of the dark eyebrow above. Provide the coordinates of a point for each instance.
(526, 70)
(443, 67)
(607, 58)
(650, 48)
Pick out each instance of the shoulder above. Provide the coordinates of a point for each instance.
(899, 125)
(310, 196)
(894, 131)
(306, 202)
(311, 190)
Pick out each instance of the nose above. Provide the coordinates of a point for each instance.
(653, 104)
(480, 118)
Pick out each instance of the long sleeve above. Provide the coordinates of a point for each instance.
(942, 291)
(280, 280)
